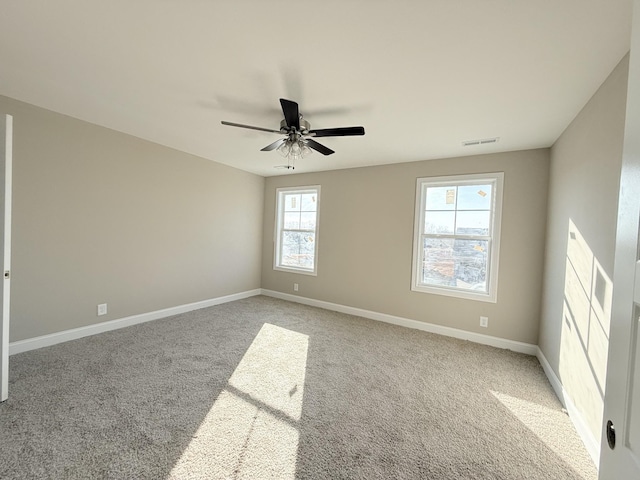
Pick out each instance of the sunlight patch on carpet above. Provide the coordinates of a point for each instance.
(251, 431)
(541, 421)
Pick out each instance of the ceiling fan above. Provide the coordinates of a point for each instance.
(298, 138)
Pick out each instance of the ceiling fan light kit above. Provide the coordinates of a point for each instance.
(298, 142)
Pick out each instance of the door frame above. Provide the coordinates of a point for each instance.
(6, 167)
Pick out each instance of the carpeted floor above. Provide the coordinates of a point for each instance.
(261, 388)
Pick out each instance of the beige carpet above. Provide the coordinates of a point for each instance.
(263, 388)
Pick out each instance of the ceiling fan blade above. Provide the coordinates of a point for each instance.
(231, 124)
(337, 132)
(291, 113)
(318, 147)
(273, 146)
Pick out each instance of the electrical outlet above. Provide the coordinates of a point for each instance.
(484, 322)
(295, 287)
(102, 309)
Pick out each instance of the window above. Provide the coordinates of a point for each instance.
(457, 234)
(296, 246)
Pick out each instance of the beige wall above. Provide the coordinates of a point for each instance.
(583, 196)
(103, 217)
(366, 238)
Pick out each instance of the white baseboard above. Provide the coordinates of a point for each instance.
(75, 333)
(592, 446)
(590, 443)
(521, 347)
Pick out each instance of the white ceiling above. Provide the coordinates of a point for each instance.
(420, 75)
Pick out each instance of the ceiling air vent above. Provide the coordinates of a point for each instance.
(483, 141)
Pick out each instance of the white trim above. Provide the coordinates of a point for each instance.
(297, 270)
(6, 162)
(280, 192)
(76, 333)
(521, 347)
(497, 180)
(590, 442)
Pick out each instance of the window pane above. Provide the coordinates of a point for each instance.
(441, 198)
(455, 263)
(438, 267)
(439, 222)
(298, 249)
(307, 244)
(290, 248)
(292, 202)
(308, 221)
(473, 223)
(291, 220)
(474, 197)
(471, 258)
(309, 203)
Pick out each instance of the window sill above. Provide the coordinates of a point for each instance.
(301, 271)
(480, 297)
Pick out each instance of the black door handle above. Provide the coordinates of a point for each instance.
(611, 435)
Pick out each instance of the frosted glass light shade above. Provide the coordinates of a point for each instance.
(284, 149)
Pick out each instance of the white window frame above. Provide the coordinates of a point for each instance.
(497, 180)
(279, 229)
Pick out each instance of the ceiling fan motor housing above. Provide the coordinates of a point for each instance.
(304, 126)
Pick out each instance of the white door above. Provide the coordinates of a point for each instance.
(6, 147)
(620, 451)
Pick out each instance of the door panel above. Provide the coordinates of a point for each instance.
(633, 424)
(620, 450)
